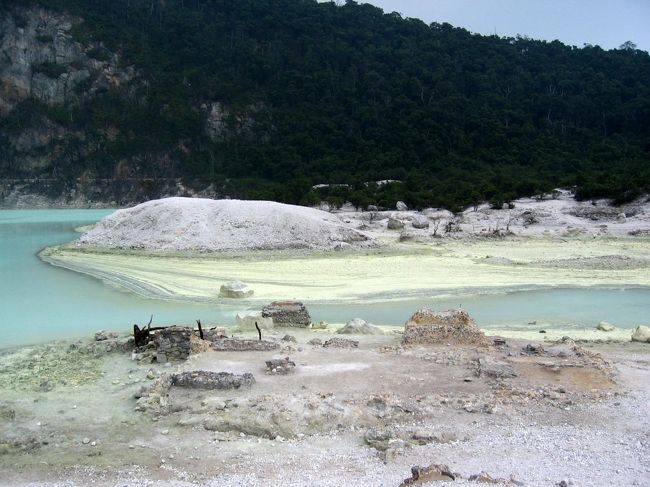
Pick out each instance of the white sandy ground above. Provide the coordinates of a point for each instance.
(596, 248)
(591, 442)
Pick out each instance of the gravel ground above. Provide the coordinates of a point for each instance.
(601, 436)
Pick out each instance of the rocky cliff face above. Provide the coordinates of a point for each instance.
(47, 76)
(41, 59)
(45, 72)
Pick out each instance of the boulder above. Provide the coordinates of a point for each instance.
(401, 206)
(440, 327)
(235, 290)
(357, 326)
(287, 313)
(395, 224)
(641, 334)
(604, 326)
(246, 321)
(420, 221)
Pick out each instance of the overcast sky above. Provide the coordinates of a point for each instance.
(607, 23)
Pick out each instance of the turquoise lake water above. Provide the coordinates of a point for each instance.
(40, 302)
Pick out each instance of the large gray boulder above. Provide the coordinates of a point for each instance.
(395, 224)
(604, 326)
(420, 221)
(641, 334)
(235, 290)
(357, 326)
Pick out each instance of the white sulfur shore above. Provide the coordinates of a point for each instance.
(158, 249)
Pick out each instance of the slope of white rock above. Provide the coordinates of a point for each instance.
(180, 224)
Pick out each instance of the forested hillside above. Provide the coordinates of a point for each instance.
(265, 98)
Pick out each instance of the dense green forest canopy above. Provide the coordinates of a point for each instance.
(320, 93)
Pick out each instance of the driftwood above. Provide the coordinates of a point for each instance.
(142, 335)
(259, 332)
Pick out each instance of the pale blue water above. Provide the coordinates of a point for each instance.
(39, 302)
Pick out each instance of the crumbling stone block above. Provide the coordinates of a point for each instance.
(440, 327)
(202, 379)
(287, 313)
(174, 342)
(243, 345)
(340, 343)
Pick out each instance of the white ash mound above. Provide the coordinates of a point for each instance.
(199, 224)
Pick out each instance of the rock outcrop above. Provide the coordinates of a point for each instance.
(441, 327)
(287, 313)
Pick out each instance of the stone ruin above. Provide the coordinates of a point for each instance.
(173, 343)
(202, 379)
(287, 313)
(453, 326)
(243, 345)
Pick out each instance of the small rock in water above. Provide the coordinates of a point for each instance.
(604, 326)
(320, 326)
(85, 441)
(542, 331)
(641, 334)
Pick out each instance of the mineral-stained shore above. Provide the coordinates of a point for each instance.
(539, 413)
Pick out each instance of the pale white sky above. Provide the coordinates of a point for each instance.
(607, 23)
